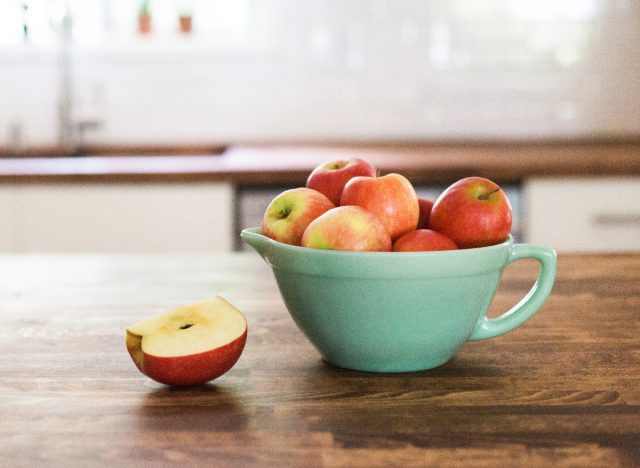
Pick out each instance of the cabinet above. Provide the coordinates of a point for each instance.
(567, 213)
(116, 217)
(583, 214)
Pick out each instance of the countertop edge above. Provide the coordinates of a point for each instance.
(291, 164)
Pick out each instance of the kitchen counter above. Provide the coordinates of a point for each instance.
(563, 389)
(278, 164)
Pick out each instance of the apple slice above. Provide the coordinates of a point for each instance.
(189, 345)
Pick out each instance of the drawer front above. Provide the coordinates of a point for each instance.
(583, 214)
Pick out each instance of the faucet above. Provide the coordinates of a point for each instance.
(72, 124)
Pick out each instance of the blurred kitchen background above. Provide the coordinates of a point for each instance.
(168, 125)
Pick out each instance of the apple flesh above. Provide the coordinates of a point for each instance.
(329, 178)
(289, 214)
(189, 345)
(425, 205)
(473, 212)
(423, 240)
(391, 198)
(347, 228)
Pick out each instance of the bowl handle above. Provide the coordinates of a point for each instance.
(529, 305)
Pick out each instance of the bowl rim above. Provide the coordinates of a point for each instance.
(379, 265)
(510, 240)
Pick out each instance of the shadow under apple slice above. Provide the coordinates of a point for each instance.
(206, 407)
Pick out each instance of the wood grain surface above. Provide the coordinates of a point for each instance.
(562, 390)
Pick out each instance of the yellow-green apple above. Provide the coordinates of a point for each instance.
(391, 198)
(423, 240)
(329, 178)
(347, 228)
(189, 345)
(473, 212)
(289, 214)
(425, 205)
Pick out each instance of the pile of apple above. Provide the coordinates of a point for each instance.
(346, 206)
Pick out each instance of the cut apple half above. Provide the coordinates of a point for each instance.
(189, 345)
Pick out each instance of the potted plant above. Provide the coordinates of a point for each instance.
(144, 17)
(185, 22)
(184, 9)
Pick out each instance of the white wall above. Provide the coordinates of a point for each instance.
(28, 95)
(357, 69)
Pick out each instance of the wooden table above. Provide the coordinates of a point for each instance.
(564, 389)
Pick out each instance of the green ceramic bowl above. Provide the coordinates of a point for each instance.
(399, 312)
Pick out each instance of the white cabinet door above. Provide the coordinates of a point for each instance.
(583, 214)
(101, 217)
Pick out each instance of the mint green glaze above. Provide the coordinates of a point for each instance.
(399, 311)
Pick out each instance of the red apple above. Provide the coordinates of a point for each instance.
(391, 198)
(289, 214)
(330, 178)
(473, 212)
(425, 205)
(347, 228)
(189, 345)
(423, 240)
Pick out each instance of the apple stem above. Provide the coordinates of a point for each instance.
(485, 196)
(186, 325)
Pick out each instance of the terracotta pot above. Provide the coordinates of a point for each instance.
(144, 24)
(185, 23)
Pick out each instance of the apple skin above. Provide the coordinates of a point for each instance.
(218, 336)
(473, 212)
(347, 228)
(183, 371)
(391, 198)
(329, 178)
(289, 214)
(422, 240)
(425, 205)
